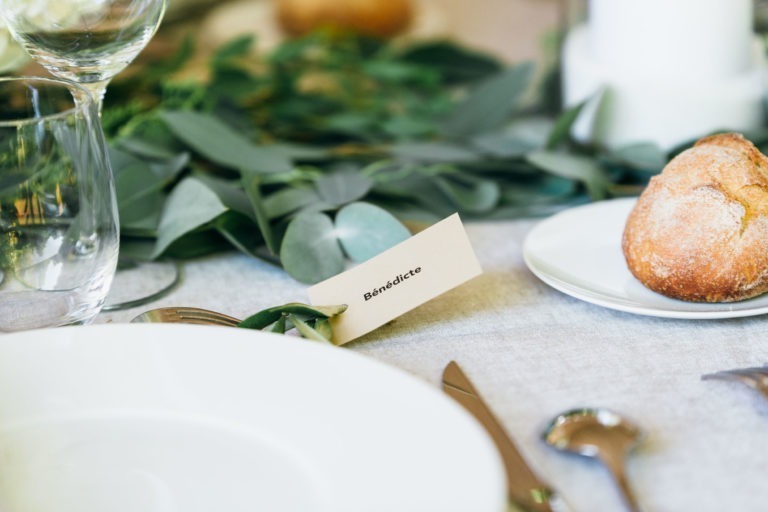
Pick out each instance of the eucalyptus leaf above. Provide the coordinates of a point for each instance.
(135, 249)
(408, 127)
(562, 128)
(223, 145)
(300, 152)
(230, 193)
(190, 205)
(454, 63)
(288, 200)
(469, 193)
(310, 251)
(252, 185)
(642, 155)
(500, 145)
(433, 152)
(365, 230)
(489, 104)
(575, 167)
(534, 131)
(141, 215)
(239, 231)
(343, 186)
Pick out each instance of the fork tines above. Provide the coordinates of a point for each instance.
(755, 377)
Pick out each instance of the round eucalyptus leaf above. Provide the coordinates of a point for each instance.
(310, 252)
(343, 186)
(365, 230)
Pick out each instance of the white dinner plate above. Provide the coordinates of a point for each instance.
(578, 251)
(174, 418)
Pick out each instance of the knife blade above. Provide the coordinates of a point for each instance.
(524, 488)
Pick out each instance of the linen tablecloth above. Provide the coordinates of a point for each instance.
(533, 352)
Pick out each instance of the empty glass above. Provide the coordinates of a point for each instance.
(86, 41)
(58, 215)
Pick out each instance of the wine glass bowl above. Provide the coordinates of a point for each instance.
(85, 41)
(58, 215)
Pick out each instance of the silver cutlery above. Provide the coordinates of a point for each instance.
(186, 315)
(524, 488)
(598, 433)
(755, 377)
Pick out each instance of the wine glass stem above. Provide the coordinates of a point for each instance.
(97, 90)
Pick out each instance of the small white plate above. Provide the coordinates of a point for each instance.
(578, 252)
(176, 418)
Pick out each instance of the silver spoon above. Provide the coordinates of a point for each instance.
(598, 433)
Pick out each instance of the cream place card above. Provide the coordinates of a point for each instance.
(399, 279)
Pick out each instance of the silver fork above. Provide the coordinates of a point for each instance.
(186, 315)
(755, 377)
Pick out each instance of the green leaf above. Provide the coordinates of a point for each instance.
(252, 185)
(365, 230)
(190, 205)
(271, 315)
(454, 63)
(434, 152)
(533, 131)
(223, 145)
(343, 186)
(238, 47)
(500, 145)
(643, 155)
(230, 192)
(310, 251)
(306, 330)
(408, 127)
(562, 129)
(288, 200)
(240, 232)
(489, 105)
(469, 193)
(323, 327)
(575, 167)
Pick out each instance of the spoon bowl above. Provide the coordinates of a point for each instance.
(601, 434)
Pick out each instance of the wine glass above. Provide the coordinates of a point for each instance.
(89, 42)
(58, 213)
(85, 41)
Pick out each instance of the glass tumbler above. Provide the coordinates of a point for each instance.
(58, 215)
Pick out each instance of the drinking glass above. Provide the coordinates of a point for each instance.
(86, 41)
(89, 42)
(58, 214)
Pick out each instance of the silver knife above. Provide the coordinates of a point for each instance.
(524, 488)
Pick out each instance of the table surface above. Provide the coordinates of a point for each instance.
(533, 352)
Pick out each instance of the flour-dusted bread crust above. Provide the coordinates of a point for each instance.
(699, 231)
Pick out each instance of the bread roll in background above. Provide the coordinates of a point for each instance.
(699, 231)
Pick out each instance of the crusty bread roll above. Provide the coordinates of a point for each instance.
(699, 231)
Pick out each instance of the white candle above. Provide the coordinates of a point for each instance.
(681, 40)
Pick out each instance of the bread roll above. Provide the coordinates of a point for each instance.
(699, 231)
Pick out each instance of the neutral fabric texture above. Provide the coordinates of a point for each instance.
(533, 352)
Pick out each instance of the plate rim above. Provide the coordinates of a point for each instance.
(386, 377)
(618, 303)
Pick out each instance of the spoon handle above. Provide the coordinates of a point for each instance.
(615, 465)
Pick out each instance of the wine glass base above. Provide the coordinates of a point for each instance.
(142, 283)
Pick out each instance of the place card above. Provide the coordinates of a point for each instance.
(399, 279)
